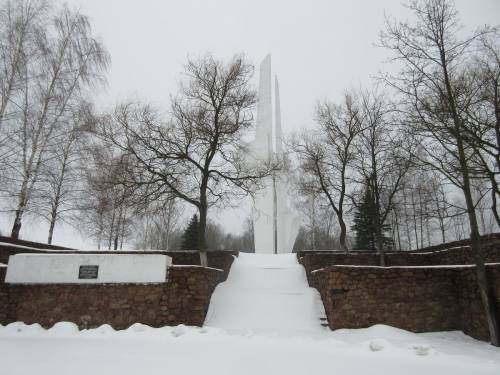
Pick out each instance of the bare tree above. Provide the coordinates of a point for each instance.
(106, 205)
(431, 83)
(440, 205)
(482, 132)
(380, 162)
(95, 203)
(67, 61)
(458, 215)
(60, 183)
(20, 23)
(157, 221)
(307, 204)
(327, 155)
(198, 155)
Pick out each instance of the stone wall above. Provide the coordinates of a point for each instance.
(453, 253)
(7, 306)
(312, 260)
(216, 259)
(417, 299)
(473, 317)
(184, 298)
(487, 238)
(464, 255)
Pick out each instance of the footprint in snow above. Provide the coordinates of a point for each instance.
(423, 349)
(180, 330)
(377, 345)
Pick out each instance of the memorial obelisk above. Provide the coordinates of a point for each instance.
(275, 225)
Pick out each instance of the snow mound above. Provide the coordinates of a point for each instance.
(16, 327)
(138, 327)
(104, 329)
(20, 327)
(375, 332)
(63, 329)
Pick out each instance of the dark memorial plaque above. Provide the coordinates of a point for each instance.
(88, 272)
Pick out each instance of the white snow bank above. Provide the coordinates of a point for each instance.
(63, 329)
(378, 350)
(111, 268)
(21, 328)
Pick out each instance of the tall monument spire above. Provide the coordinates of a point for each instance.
(275, 226)
(263, 144)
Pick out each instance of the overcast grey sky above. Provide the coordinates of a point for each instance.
(319, 48)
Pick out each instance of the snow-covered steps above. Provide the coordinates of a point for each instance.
(266, 294)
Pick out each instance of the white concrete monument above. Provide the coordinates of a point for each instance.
(275, 224)
(87, 268)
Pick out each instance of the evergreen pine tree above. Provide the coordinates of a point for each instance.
(190, 236)
(364, 225)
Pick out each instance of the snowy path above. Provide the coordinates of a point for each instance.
(266, 294)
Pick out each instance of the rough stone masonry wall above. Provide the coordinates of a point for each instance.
(6, 302)
(183, 299)
(485, 239)
(473, 317)
(216, 259)
(316, 260)
(464, 255)
(453, 253)
(415, 299)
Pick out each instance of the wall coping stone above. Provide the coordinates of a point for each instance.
(443, 266)
(89, 285)
(194, 266)
(402, 252)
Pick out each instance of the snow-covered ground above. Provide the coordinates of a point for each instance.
(64, 350)
(263, 320)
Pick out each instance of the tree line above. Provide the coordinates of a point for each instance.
(133, 167)
(384, 168)
(418, 153)
(49, 62)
